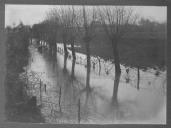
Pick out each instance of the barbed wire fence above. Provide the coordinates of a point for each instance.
(55, 110)
(105, 68)
(52, 110)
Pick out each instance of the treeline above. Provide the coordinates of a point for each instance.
(18, 103)
(139, 39)
(108, 32)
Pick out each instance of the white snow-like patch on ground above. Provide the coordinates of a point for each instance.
(147, 105)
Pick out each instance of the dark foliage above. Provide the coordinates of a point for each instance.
(18, 107)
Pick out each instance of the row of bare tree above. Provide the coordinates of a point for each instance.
(75, 23)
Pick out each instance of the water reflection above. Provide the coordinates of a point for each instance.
(67, 100)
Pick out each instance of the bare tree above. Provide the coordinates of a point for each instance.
(73, 33)
(62, 16)
(89, 17)
(115, 21)
(52, 26)
(64, 23)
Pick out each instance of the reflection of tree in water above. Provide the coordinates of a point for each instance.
(65, 106)
(93, 101)
(73, 90)
(54, 63)
(52, 59)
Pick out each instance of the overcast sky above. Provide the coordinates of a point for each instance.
(31, 14)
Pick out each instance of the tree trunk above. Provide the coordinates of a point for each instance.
(73, 60)
(138, 78)
(99, 66)
(54, 49)
(117, 71)
(88, 65)
(54, 57)
(50, 49)
(65, 56)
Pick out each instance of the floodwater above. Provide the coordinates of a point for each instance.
(65, 100)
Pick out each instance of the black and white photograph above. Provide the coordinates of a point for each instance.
(81, 64)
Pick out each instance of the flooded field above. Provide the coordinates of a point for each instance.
(63, 99)
(75, 64)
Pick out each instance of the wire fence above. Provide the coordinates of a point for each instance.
(55, 108)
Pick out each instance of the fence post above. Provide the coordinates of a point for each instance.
(45, 87)
(40, 91)
(138, 78)
(79, 117)
(60, 98)
(26, 79)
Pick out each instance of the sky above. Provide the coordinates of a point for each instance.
(31, 14)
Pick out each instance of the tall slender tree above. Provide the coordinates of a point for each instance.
(61, 15)
(73, 34)
(115, 22)
(89, 17)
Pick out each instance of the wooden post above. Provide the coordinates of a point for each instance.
(40, 90)
(26, 80)
(45, 87)
(79, 117)
(138, 78)
(60, 98)
(99, 66)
